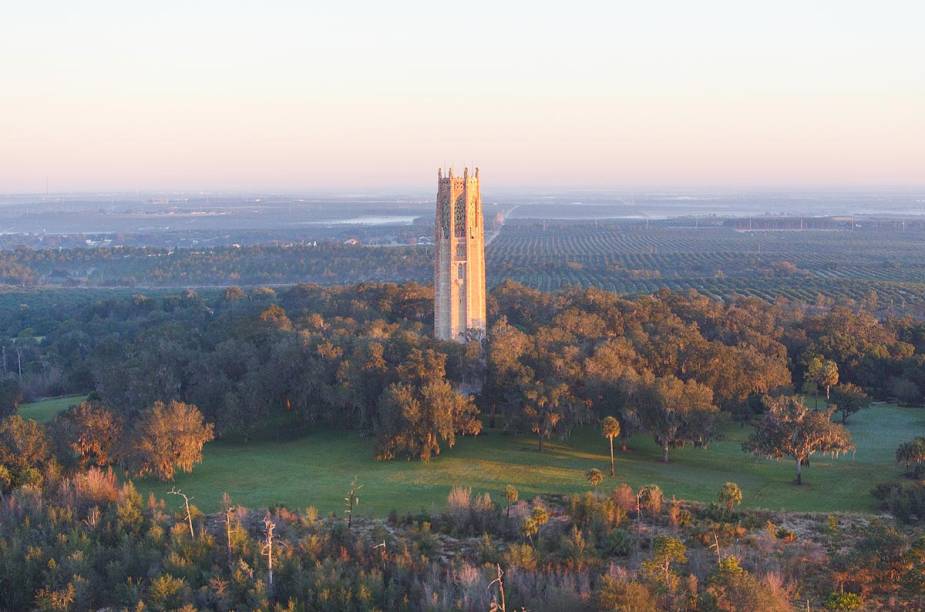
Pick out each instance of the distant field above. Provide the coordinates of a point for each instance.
(717, 261)
(716, 257)
(46, 409)
(317, 469)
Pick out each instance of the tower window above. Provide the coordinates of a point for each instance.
(461, 271)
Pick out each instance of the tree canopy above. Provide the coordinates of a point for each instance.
(790, 429)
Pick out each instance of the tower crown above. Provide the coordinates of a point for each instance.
(450, 178)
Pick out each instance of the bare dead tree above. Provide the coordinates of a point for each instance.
(352, 500)
(498, 606)
(269, 525)
(229, 514)
(715, 545)
(186, 501)
(93, 517)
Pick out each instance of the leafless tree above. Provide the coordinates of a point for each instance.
(269, 525)
(352, 500)
(498, 606)
(186, 501)
(229, 515)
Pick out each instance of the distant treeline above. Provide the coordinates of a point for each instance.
(324, 262)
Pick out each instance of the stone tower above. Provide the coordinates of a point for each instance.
(459, 257)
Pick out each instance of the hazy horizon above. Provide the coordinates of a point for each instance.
(424, 189)
(104, 96)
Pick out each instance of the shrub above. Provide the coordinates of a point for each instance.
(590, 508)
(483, 503)
(167, 592)
(619, 543)
(11, 396)
(904, 500)
(624, 497)
(96, 486)
(679, 516)
(844, 601)
(23, 452)
(730, 496)
(522, 556)
(594, 477)
(510, 496)
(650, 499)
(623, 594)
(459, 499)
(733, 588)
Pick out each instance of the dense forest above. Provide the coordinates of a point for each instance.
(740, 349)
(362, 358)
(168, 372)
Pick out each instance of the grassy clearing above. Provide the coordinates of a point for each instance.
(46, 409)
(317, 469)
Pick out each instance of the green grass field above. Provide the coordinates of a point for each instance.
(317, 469)
(45, 410)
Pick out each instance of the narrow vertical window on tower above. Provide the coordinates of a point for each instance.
(461, 216)
(444, 212)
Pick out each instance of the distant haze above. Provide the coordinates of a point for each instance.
(357, 96)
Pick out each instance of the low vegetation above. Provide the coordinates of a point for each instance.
(615, 548)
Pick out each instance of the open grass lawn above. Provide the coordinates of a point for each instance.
(317, 469)
(46, 409)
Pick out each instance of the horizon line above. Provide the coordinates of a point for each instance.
(726, 189)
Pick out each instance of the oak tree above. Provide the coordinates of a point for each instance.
(167, 438)
(87, 433)
(790, 429)
(849, 398)
(677, 413)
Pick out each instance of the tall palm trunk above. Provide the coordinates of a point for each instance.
(612, 468)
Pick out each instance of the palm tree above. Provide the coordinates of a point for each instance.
(610, 429)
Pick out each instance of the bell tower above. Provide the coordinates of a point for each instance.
(459, 257)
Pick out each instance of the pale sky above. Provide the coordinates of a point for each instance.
(310, 95)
